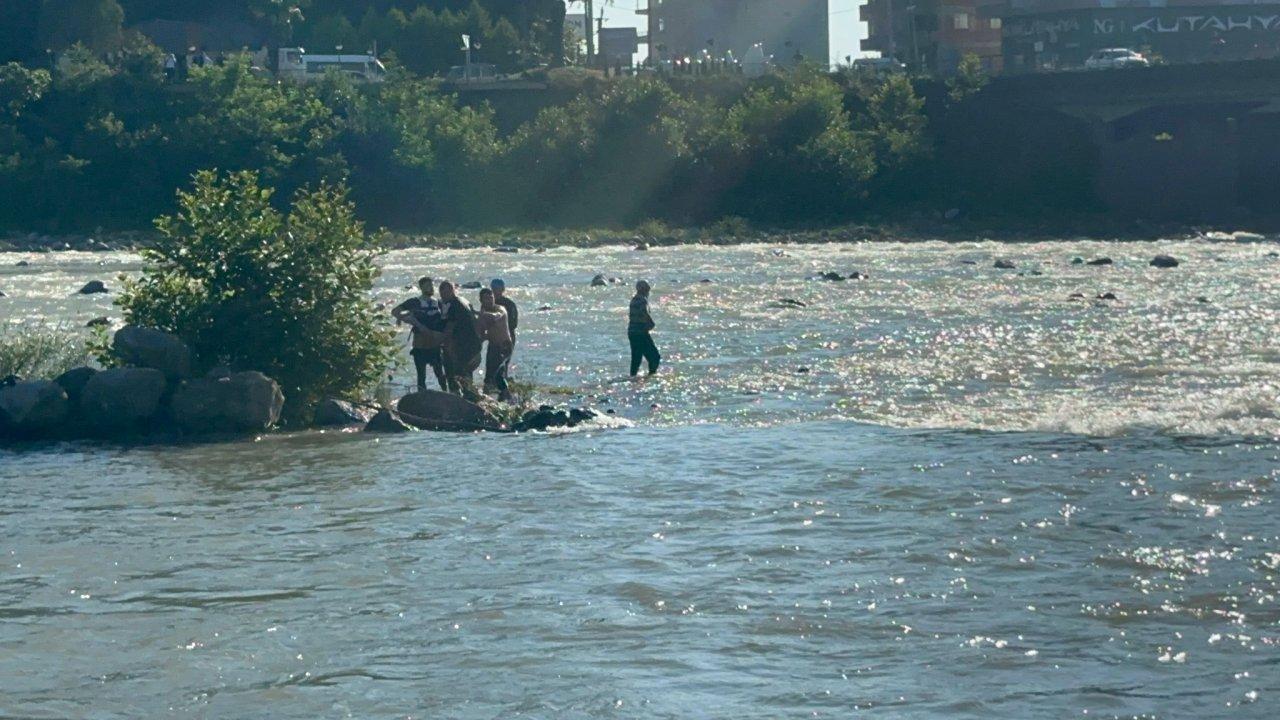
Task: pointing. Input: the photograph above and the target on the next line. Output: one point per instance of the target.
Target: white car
(1115, 58)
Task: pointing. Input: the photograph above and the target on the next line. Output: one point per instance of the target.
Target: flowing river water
(943, 491)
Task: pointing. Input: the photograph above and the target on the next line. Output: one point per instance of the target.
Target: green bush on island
(33, 351)
(252, 288)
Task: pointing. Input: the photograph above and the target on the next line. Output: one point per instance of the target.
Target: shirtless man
(495, 328)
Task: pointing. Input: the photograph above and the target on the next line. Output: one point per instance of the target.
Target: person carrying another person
(461, 343)
(639, 325)
(425, 316)
(499, 288)
(495, 328)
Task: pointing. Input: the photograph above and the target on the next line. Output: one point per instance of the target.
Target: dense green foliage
(34, 351)
(251, 288)
(105, 143)
(423, 34)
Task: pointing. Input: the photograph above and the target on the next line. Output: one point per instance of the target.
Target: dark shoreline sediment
(914, 230)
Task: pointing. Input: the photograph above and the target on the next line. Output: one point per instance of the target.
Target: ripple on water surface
(746, 551)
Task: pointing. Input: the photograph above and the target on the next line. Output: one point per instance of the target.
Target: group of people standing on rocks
(448, 336)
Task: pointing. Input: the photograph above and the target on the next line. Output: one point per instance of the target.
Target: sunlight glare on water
(943, 491)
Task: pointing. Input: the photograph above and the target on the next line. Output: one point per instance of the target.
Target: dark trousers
(496, 362)
(642, 347)
(421, 359)
(459, 372)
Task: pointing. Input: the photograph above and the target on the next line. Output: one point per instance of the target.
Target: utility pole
(591, 40)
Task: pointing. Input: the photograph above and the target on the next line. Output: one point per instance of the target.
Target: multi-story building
(1061, 34)
(790, 31)
(934, 35)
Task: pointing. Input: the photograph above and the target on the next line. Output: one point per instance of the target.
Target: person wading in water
(424, 314)
(495, 328)
(461, 343)
(638, 328)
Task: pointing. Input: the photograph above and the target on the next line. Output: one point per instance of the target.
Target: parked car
(1114, 58)
(879, 66)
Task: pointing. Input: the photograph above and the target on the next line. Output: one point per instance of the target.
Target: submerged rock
(93, 287)
(1077, 261)
(509, 250)
(1164, 261)
(246, 402)
(831, 277)
(435, 410)
(339, 413)
(102, 321)
(121, 399)
(1108, 296)
(1004, 265)
(1099, 262)
(147, 348)
(387, 423)
(473, 285)
(599, 281)
(32, 408)
(790, 303)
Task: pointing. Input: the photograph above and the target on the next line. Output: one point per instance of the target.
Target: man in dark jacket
(461, 343)
(639, 326)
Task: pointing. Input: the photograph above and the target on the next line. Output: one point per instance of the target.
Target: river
(943, 491)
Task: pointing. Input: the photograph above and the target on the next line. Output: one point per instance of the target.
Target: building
(934, 35)
(791, 31)
(1061, 34)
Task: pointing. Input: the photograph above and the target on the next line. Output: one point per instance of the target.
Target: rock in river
(246, 402)
(599, 281)
(1004, 265)
(387, 423)
(121, 399)
(73, 382)
(32, 408)
(339, 413)
(1164, 261)
(147, 348)
(1099, 262)
(93, 287)
(435, 410)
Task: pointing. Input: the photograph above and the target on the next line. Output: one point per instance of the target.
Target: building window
(996, 23)
(961, 22)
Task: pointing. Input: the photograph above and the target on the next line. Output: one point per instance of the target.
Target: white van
(299, 65)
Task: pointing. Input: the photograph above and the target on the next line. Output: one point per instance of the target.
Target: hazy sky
(846, 29)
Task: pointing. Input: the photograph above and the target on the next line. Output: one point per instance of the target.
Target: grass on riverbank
(920, 226)
(34, 351)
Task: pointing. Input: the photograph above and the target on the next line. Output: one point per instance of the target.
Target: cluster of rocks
(547, 417)
(832, 276)
(602, 281)
(154, 392)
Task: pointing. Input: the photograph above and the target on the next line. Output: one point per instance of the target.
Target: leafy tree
(19, 87)
(790, 152)
(895, 120)
(968, 80)
(95, 24)
(249, 287)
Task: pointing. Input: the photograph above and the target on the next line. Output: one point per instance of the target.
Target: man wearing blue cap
(513, 313)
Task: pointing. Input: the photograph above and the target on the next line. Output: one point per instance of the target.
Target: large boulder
(93, 287)
(121, 399)
(32, 408)
(73, 382)
(435, 410)
(147, 348)
(246, 402)
(339, 413)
